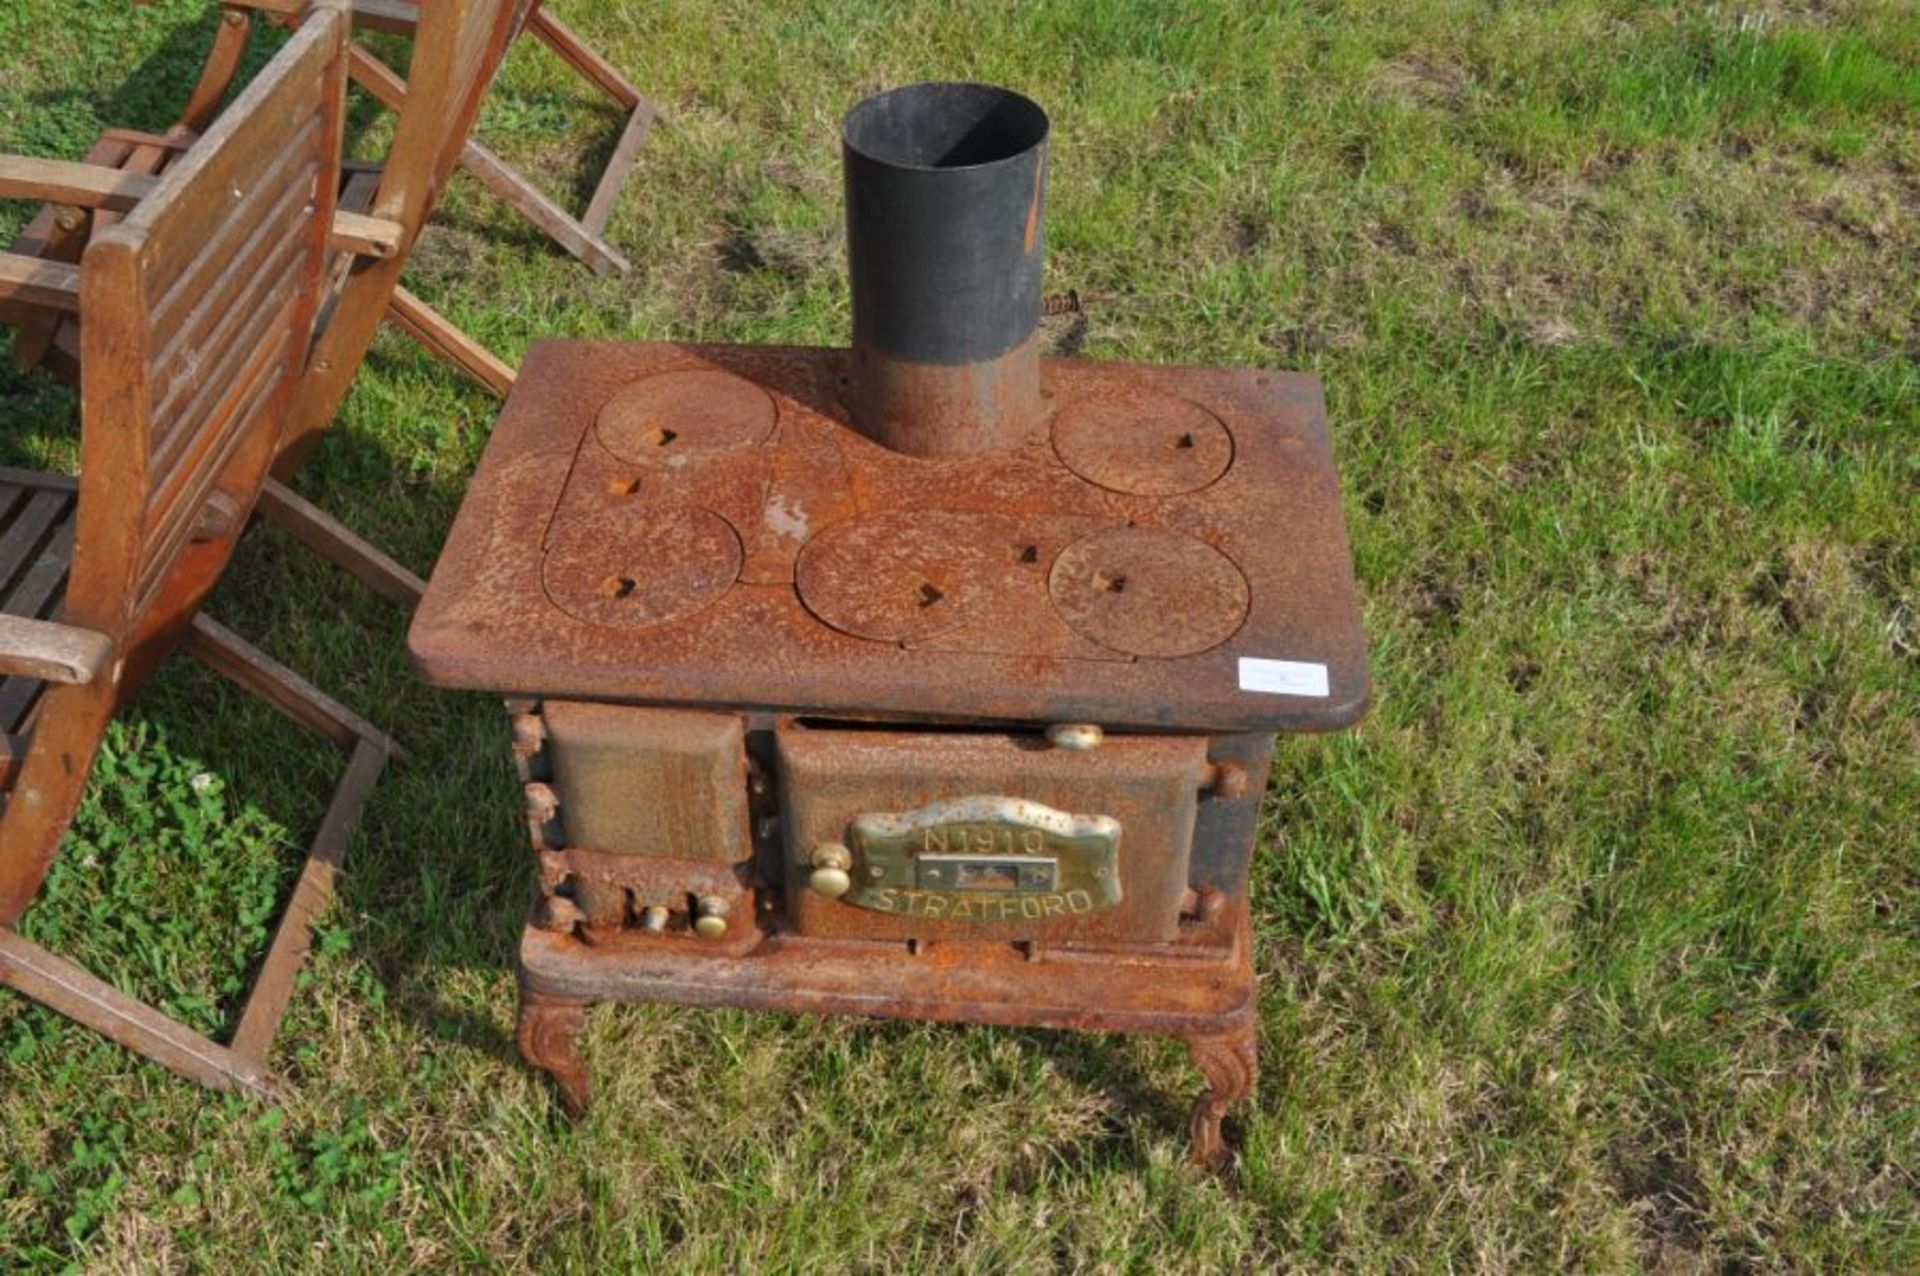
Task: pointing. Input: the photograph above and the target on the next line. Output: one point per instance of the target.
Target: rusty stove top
(699, 524)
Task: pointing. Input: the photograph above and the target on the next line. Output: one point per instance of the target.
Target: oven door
(953, 835)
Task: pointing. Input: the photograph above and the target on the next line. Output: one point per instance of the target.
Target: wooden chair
(198, 307)
(380, 213)
(456, 49)
(59, 232)
(583, 235)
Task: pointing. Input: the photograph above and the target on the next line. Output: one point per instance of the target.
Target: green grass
(1594, 947)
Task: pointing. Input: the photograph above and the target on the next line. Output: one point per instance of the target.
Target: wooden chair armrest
(50, 285)
(364, 236)
(51, 651)
(65, 182)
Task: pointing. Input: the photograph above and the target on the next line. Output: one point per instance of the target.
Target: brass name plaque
(985, 859)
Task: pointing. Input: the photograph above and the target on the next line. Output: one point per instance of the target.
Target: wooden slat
(59, 984)
(52, 285)
(140, 137)
(35, 583)
(250, 146)
(436, 332)
(357, 192)
(12, 496)
(202, 358)
(264, 203)
(37, 591)
(231, 656)
(175, 509)
(336, 542)
(204, 344)
(21, 544)
(293, 939)
(65, 182)
(13, 476)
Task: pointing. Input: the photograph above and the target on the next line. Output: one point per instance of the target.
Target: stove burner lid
(904, 575)
(1146, 444)
(640, 568)
(673, 417)
(1149, 593)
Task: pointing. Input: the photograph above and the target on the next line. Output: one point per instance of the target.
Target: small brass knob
(1077, 737)
(832, 865)
(712, 921)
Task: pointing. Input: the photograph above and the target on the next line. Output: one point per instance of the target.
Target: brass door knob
(712, 921)
(832, 874)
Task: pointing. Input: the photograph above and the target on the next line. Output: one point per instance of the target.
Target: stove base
(1204, 997)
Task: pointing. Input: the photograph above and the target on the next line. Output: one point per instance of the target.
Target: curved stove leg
(1230, 1061)
(549, 1037)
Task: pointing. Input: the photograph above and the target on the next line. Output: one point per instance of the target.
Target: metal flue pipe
(946, 239)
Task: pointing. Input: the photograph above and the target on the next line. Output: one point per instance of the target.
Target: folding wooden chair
(456, 49)
(198, 306)
(583, 235)
(59, 232)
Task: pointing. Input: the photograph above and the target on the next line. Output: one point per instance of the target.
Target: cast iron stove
(926, 679)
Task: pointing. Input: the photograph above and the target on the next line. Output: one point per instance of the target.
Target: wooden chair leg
(231, 656)
(613, 178)
(65, 987)
(230, 42)
(326, 536)
(293, 940)
(251, 669)
(585, 59)
(57, 983)
(445, 340)
(562, 227)
(642, 111)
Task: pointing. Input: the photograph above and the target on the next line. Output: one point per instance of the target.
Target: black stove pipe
(946, 239)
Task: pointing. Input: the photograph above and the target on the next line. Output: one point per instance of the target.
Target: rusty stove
(928, 678)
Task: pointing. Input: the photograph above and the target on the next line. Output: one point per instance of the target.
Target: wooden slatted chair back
(198, 306)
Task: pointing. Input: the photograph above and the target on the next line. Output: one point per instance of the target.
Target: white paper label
(1283, 677)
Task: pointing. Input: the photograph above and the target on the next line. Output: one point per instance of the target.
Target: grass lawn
(1597, 945)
